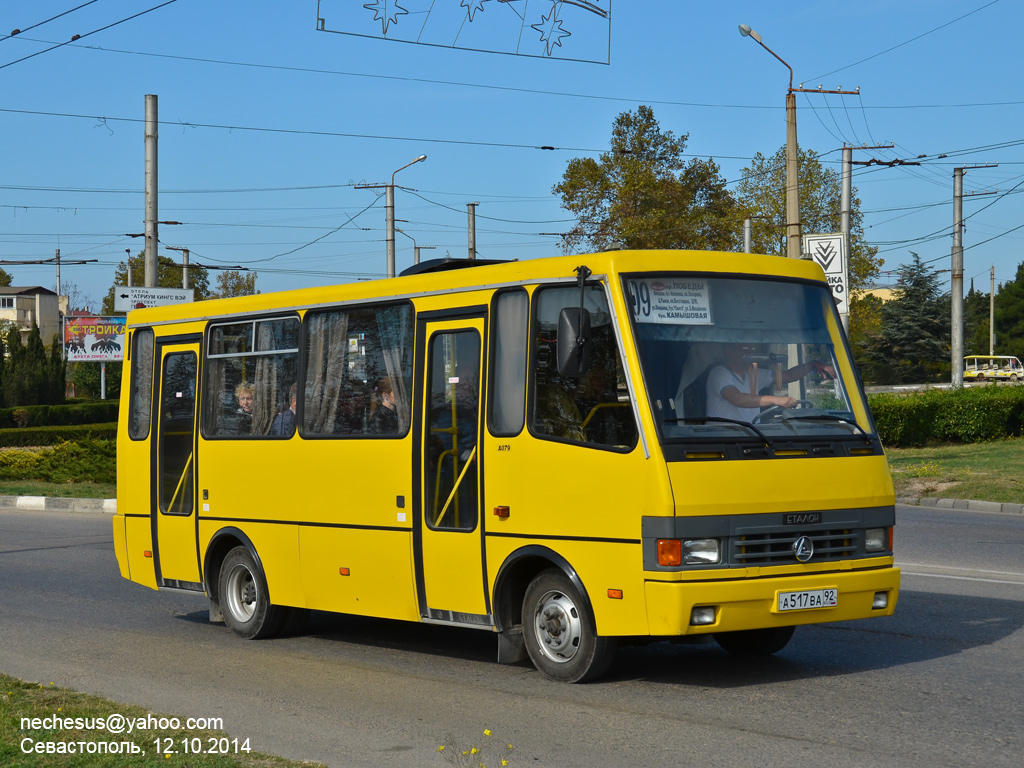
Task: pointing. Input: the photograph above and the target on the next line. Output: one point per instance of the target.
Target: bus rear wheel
(557, 629)
(244, 597)
(755, 642)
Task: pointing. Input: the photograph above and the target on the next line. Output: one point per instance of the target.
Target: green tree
(232, 282)
(643, 194)
(762, 195)
(865, 327)
(27, 371)
(6, 279)
(168, 275)
(1009, 314)
(913, 342)
(976, 306)
(87, 379)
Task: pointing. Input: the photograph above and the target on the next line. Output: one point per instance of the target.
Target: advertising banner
(94, 339)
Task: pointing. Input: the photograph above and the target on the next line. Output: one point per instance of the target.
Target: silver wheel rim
(557, 627)
(241, 593)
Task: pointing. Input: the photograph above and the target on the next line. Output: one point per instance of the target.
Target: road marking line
(954, 568)
(963, 578)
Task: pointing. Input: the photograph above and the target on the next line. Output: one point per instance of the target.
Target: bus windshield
(737, 357)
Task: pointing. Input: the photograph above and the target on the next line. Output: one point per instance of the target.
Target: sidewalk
(53, 504)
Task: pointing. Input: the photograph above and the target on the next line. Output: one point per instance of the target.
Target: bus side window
(510, 345)
(350, 353)
(594, 408)
(250, 365)
(142, 384)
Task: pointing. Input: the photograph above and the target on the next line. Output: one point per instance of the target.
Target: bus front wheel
(557, 628)
(755, 642)
(244, 598)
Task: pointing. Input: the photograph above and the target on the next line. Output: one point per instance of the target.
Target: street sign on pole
(830, 252)
(129, 297)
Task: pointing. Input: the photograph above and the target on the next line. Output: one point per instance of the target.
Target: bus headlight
(701, 551)
(675, 552)
(876, 539)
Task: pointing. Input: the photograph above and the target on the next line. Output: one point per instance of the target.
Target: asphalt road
(941, 683)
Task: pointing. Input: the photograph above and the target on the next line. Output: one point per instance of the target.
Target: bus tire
(244, 597)
(558, 631)
(755, 642)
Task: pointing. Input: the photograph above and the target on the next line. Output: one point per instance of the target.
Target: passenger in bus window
(731, 393)
(245, 394)
(384, 417)
(284, 422)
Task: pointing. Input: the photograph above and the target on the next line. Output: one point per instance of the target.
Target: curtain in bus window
(267, 385)
(395, 329)
(142, 384)
(511, 323)
(325, 370)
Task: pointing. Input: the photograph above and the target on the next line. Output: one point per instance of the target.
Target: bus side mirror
(574, 342)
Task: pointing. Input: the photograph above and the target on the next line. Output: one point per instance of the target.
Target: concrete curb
(965, 504)
(54, 504)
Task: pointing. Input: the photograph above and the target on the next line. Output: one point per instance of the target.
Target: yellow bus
(994, 367)
(570, 453)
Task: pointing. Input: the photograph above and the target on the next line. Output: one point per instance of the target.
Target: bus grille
(777, 548)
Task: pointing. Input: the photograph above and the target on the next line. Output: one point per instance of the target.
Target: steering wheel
(774, 411)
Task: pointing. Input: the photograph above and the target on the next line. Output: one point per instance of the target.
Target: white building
(24, 306)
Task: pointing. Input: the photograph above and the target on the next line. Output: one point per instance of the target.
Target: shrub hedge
(968, 415)
(94, 412)
(12, 438)
(82, 461)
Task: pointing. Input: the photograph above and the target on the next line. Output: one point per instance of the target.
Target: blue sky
(268, 123)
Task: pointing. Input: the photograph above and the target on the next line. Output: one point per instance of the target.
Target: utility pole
(794, 248)
(389, 213)
(846, 206)
(151, 190)
(471, 210)
(992, 311)
(129, 263)
(58, 274)
(957, 287)
(184, 264)
(747, 238)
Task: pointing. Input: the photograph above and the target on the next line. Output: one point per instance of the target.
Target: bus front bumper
(754, 603)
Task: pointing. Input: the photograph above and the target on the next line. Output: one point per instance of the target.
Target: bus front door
(449, 559)
(174, 467)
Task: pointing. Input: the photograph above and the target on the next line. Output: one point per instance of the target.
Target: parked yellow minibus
(570, 453)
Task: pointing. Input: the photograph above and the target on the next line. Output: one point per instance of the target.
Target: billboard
(94, 339)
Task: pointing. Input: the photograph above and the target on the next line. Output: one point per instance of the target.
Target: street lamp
(793, 250)
(390, 215)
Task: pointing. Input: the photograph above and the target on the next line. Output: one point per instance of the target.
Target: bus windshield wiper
(826, 417)
(724, 420)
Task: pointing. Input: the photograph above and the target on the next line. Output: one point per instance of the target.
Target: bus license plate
(811, 598)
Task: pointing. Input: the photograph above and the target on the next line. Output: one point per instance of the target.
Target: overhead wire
(47, 21)
(87, 34)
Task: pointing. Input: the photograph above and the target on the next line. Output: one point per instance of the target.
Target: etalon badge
(803, 549)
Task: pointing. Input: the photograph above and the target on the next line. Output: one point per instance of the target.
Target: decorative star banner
(577, 30)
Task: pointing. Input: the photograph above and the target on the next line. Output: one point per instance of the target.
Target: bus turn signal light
(501, 511)
(146, 553)
(343, 571)
(615, 594)
(670, 552)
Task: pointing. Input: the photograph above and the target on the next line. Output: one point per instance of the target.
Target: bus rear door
(449, 534)
(174, 464)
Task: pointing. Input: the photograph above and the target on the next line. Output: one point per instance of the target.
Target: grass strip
(988, 471)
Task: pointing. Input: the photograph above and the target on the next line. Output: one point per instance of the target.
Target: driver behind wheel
(733, 388)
